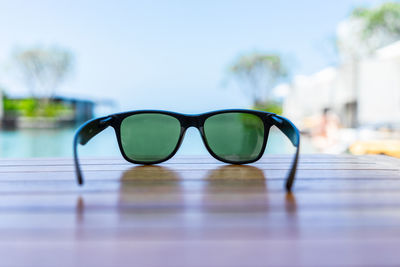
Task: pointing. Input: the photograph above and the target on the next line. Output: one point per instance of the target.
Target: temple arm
(288, 128)
(86, 132)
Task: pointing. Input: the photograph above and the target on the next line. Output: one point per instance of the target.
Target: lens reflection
(235, 137)
(149, 137)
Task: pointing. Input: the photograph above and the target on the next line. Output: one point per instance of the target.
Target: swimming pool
(27, 143)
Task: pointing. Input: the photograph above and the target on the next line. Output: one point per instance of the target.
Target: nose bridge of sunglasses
(190, 121)
(192, 143)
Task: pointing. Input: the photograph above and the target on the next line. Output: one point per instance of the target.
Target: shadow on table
(160, 190)
(149, 187)
(246, 182)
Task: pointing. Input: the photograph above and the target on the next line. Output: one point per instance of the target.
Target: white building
(379, 87)
(363, 93)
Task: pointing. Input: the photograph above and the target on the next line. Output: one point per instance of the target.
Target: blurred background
(332, 67)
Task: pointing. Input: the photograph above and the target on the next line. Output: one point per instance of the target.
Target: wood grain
(195, 211)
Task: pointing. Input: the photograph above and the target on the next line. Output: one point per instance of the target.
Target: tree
(43, 69)
(381, 24)
(257, 73)
(368, 29)
(365, 31)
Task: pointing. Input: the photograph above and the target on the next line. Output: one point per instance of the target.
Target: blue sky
(169, 54)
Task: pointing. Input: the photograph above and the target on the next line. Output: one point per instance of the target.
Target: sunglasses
(235, 136)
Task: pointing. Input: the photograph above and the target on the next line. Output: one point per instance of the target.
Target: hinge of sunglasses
(276, 119)
(105, 122)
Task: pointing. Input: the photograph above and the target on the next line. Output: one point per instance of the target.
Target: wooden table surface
(193, 211)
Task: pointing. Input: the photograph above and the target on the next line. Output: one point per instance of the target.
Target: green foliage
(56, 109)
(384, 19)
(25, 107)
(271, 106)
(28, 106)
(31, 107)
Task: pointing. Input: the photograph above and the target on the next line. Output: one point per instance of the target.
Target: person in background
(325, 133)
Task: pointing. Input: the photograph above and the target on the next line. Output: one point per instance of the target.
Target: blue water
(28, 143)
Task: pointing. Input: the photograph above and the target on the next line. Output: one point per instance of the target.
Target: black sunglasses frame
(93, 127)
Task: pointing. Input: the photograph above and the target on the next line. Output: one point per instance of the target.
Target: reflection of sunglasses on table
(235, 136)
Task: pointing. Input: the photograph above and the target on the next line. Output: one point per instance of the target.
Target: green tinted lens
(149, 137)
(235, 136)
